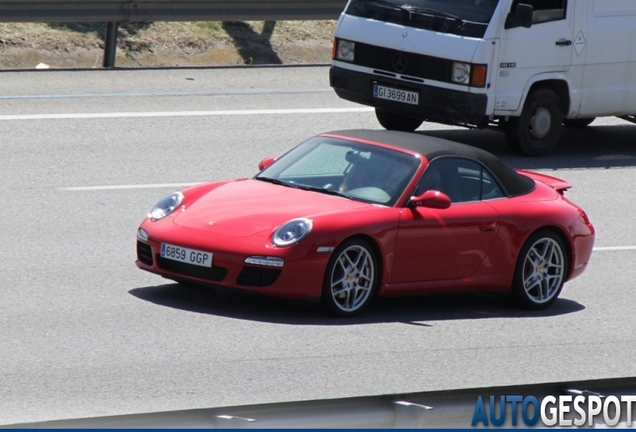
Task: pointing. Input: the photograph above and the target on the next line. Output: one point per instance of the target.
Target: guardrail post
(233, 422)
(410, 415)
(110, 45)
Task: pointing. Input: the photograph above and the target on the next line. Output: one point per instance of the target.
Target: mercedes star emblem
(400, 62)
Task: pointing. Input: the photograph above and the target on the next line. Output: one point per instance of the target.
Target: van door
(545, 47)
(579, 58)
(609, 83)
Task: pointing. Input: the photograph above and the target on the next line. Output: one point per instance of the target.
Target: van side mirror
(431, 199)
(521, 17)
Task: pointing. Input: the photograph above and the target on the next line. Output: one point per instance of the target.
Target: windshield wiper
(388, 5)
(275, 181)
(383, 3)
(434, 12)
(413, 10)
(325, 191)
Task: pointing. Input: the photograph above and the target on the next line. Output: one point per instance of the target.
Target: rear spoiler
(558, 184)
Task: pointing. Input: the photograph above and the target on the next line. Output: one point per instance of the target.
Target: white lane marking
(167, 94)
(141, 186)
(183, 113)
(614, 248)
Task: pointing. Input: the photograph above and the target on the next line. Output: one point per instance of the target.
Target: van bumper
(435, 104)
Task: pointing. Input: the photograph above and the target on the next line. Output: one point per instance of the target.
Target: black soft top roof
(432, 147)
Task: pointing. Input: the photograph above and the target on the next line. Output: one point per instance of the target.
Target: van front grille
(403, 63)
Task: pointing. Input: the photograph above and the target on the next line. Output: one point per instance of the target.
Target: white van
(527, 66)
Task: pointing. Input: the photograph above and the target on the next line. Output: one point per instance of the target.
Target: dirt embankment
(214, 43)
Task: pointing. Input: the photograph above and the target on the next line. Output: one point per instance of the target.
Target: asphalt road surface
(85, 154)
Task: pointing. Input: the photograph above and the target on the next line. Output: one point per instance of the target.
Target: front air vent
(144, 253)
(214, 273)
(258, 276)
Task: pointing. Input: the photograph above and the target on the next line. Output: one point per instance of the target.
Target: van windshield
(460, 17)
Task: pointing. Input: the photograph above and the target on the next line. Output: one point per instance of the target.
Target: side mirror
(521, 17)
(431, 199)
(266, 162)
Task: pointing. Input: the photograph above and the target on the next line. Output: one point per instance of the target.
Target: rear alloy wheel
(351, 278)
(536, 132)
(392, 121)
(540, 272)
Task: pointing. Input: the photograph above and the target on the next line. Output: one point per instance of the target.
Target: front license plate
(397, 95)
(185, 255)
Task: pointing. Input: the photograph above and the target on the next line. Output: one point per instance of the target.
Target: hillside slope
(161, 44)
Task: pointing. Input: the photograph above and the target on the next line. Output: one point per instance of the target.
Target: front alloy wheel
(351, 278)
(541, 271)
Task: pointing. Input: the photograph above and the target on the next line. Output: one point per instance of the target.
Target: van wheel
(578, 123)
(537, 131)
(398, 122)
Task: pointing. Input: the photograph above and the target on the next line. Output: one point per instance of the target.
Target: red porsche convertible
(349, 215)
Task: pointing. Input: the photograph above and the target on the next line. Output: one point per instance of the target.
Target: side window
(461, 179)
(544, 10)
(489, 188)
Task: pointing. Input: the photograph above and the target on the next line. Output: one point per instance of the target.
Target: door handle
(488, 226)
(563, 42)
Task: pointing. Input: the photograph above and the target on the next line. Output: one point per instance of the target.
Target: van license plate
(185, 255)
(393, 94)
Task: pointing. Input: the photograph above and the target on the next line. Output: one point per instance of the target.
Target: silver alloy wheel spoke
(549, 252)
(339, 281)
(543, 270)
(352, 279)
(350, 263)
(545, 287)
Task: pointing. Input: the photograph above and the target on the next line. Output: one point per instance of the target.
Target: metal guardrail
(167, 10)
(437, 409)
(114, 12)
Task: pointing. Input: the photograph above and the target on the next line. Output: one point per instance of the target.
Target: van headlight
(473, 75)
(165, 206)
(345, 50)
(461, 73)
(292, 232)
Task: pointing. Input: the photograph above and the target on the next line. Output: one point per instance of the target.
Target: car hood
(247, 207)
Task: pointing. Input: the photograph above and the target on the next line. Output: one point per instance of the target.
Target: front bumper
(435, 104)
(229, 268)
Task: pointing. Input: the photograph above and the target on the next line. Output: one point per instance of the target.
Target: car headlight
(461, 73)
(346, 51)
(165, 206)
(292, 232)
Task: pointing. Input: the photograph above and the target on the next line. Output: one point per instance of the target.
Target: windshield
(461, 17)
(353, 170)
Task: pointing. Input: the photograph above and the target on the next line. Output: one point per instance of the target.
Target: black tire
(578, 123)
(541, 270)
(536, 132)
(351, 279)
(397, 122)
